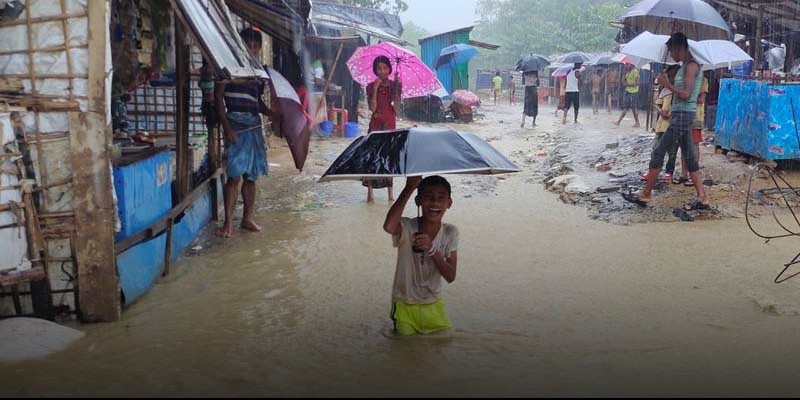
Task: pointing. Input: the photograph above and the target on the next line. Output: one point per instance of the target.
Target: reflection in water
(547, 302)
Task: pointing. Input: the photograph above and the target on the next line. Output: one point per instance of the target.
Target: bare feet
(226, 232)
(251, 226)
(637, 126)
(616, 123)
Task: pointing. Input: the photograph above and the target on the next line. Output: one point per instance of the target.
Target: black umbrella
(532, 62)
(417, 152)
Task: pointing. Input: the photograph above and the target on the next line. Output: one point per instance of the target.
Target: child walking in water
(427, 251)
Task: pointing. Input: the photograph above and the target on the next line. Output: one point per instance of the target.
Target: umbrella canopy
(417, 152)
(456, 54)
(711, 54)
(532, 62)
(465, 97)
(611, 58)
(293, 122)
(562, 71)
(417, 79)
(576, 57)
(697, 19)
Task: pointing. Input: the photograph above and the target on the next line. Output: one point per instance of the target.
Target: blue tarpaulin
(756, 118)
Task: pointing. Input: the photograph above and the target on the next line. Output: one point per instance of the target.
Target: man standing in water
(686, 89)
(240, 105)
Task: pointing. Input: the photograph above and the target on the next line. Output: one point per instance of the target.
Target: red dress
(384, 117)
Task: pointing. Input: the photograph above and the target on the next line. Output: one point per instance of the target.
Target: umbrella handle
(419, 231)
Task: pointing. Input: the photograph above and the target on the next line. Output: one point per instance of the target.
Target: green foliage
(544, 27)
(394, 6)
(412, 33)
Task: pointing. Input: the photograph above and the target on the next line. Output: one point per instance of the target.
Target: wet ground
(550, 300)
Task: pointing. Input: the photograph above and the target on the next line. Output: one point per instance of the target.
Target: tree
(545, 27)
(394, 6)
(412, 33)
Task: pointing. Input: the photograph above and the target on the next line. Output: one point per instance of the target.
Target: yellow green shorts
(413, 319)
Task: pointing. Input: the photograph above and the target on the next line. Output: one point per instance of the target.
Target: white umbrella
(695, 18)
(711, 54)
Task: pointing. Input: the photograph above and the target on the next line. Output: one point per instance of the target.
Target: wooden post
(330, 76)
(759, 35)
(168, 250)
(184, 170)
(90, 141)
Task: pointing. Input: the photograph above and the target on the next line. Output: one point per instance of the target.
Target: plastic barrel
(326, 127)
(351, 129)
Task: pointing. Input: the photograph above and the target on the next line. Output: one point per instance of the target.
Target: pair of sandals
(694, 205)
(688, 182)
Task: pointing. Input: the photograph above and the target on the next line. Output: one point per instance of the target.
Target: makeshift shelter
(79, 189)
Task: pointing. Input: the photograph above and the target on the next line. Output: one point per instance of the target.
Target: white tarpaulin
(13, 241)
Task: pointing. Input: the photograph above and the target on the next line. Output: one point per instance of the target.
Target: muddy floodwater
(548, 300)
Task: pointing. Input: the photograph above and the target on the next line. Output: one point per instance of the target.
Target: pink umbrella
(417, 79)
(465, 97)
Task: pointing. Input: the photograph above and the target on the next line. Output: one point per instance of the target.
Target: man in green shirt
(631, 99)
(498, 86)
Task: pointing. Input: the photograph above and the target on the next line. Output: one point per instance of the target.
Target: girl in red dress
(384, 98)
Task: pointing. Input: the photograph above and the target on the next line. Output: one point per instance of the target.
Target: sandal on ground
(635, 199)
(679, 180)
(696, 205)
(689, 183)
(666, 178)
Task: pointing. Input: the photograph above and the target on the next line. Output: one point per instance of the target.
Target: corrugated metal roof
(213, 28)
(467, 29)
(284, 20)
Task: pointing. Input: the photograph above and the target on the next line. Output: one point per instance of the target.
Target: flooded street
(548, 300)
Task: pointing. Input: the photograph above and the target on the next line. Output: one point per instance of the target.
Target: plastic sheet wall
(756, 118)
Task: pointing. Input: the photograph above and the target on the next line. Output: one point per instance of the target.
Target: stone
(611, 146)
(617, 174)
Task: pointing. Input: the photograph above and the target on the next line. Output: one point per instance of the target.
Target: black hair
(678, 41)
(432, 181)
(381, 60)
(497, 73)
(250, 35)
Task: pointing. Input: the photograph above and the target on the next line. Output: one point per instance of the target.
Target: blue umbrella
(456, 54)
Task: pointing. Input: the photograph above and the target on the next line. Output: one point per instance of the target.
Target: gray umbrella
(695, 18)
(532, 62)
(576, 57)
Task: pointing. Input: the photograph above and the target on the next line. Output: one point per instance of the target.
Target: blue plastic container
(326, 127)
(144, 193)
(351, 129)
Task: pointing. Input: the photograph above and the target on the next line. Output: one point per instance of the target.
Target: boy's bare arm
(392, 225)
(446, 265)
(222, 112)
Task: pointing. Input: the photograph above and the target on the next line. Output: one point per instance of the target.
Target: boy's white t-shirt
(417, 281)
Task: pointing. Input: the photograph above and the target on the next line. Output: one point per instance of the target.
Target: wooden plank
(14, 277)
(98, 286)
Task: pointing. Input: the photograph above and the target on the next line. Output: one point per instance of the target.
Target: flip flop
(635, 199)
(696, 205)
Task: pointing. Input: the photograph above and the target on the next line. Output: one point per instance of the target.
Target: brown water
(547, 302)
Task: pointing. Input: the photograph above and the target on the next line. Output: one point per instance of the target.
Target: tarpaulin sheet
(756, 118)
